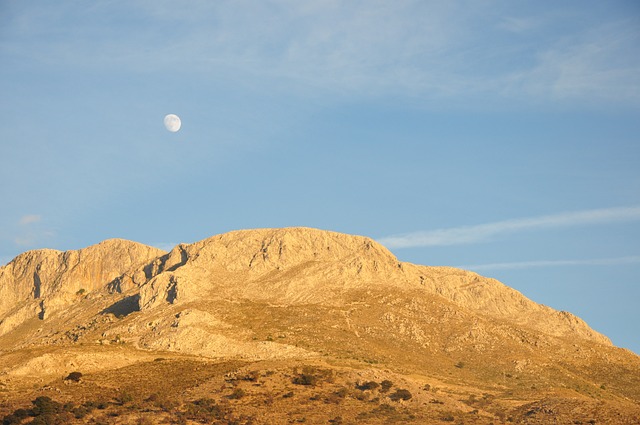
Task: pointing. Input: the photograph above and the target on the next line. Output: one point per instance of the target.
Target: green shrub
(80, 412)
(43, 405)
(305, 379)
(124, 398)
(370, 385)
(400, 394)
(237, 394)
(341, 392)
(251, 376)
(204, 410)
(385, 386)
(21, 413)
(11, 420)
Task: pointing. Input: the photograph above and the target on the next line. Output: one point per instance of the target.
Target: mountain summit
(300, 294)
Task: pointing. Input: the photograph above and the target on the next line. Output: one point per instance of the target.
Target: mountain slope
(300, 265)
(298, 296)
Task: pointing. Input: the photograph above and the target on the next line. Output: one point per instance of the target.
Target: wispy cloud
(29, 219)
(484, 232)
(30, 231)
(592, 64)
(634, 259)
(442, 49)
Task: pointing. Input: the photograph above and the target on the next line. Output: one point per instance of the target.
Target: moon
(172, 122)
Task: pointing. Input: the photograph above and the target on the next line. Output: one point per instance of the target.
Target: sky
(498, 136)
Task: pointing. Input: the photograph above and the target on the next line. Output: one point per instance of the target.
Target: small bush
(204, 410)
(362, 396)
(43, 405)
(74, 376)
(460, 365)
(100, 404)
(333, 398)
(400, 394)
(341, 392)
(385, 386)
(11, 420)
(162, 402)
(237, 394)
(251, 376)
(21, 413)
(124, 398)
(305, 379)
(80, 412)
(370, 385)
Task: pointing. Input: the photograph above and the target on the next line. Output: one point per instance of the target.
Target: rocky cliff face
(291, 266)
(301, 265)
(44, 281)
(272, 299)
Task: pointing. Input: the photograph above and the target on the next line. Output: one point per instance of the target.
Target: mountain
(294, 324)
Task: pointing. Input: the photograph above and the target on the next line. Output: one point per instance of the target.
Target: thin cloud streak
(447, 50)
(554, 263)
(31, 218)
(484, 232)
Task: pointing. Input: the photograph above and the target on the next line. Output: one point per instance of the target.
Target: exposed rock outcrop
(302, 265)
(292, 266)
(44, 281)
(235, 311)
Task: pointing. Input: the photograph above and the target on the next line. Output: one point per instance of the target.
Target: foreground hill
(281, 325)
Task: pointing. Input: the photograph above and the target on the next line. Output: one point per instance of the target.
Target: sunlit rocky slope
(283, 299)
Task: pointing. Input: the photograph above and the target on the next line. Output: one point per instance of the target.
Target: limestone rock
(48, 280)
(302, 265)
(289, 266)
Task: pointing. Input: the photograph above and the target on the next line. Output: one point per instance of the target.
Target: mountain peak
(294, 266)
(264, 249)
(274, 298)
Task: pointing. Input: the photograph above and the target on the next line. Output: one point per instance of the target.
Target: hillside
(276, 325)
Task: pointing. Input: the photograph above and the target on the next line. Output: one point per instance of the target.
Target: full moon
(172, 123)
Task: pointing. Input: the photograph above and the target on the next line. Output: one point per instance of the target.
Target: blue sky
(498, 136)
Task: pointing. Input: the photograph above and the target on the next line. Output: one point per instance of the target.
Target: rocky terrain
(291, 325)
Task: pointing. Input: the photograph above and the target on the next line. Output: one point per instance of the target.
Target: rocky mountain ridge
(291, 266)
(261, 305)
